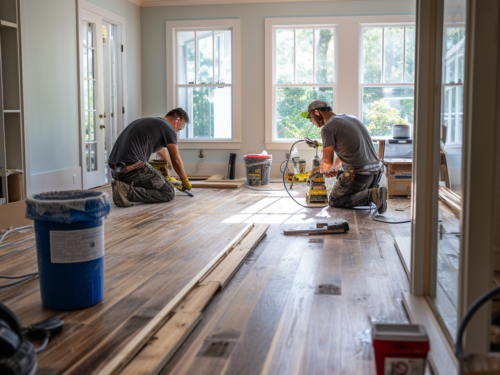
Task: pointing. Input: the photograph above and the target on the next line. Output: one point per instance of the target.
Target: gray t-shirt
(352, 143)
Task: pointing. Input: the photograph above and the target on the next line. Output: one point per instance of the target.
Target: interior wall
(51, 85)
(153, 36)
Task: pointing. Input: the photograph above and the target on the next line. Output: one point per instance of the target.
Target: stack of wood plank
(451, 199)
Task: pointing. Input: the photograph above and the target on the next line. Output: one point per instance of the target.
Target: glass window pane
(284, 56)
(448, 240)
(290, 102)
(91, 105)
(84, 33)
(209, 110)
(87, 156)
(304, 68)
(85, 62)
(386, 106)
(325, 55)
(205, 57)
(185, 57)
(223, 57)
(372, 55)
(85, 95)
(410, 55)
(92, 123)
(393, 54)
(87, 126)
(90, 35)
(93, 157)
(90, 53)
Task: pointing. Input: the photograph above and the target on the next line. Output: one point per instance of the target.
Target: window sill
(185, 144)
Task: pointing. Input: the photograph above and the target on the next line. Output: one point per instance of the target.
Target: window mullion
(383, 56)
(404, 54)
(314, 55)
(213, 57)
(195, 58)
(294, 55)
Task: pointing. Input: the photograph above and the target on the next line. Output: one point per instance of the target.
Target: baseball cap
(315, 104)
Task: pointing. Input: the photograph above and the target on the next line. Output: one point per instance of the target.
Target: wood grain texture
(163, 345)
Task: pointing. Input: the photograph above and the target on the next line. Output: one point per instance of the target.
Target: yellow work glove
(171, 179)
(186, 185)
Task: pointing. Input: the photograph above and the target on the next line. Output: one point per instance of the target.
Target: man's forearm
(326, 165)
(179, 168)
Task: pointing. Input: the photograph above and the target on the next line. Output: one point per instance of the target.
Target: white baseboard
(56, 180)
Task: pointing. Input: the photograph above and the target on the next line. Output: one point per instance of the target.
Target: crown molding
(164, 3)
(137, 2)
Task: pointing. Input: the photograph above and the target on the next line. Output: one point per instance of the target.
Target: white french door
(92, 99)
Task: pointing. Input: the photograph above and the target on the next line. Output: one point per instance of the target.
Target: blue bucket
(69, 235)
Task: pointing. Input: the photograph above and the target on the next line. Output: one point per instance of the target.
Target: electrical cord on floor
(28, 276)
(43, 346)
(284, 169)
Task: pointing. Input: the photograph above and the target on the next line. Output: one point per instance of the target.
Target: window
(205, 74)
(304, 70)
(387, 77)
(453, 80)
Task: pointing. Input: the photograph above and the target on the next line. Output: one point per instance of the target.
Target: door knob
(102, 126)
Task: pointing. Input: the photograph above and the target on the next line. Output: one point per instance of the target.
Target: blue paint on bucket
(70, 246)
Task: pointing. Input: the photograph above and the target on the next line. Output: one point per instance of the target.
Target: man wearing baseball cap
(357, 181)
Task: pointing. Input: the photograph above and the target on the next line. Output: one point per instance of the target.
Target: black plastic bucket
(258, 169)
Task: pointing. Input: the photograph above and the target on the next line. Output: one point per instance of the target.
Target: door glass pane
(209, 110)
(284, 56)
(223, 56)
(85, 66)
(90, 53)
(445, 298)
(93, 157)
(87, 156)
(185, 57)
(372, 55)
(386, 106)
(393, 54)
(90, 34)
(304, 68)
(92, 132)
(410, 55)
(205, 57)
(289, 104)
(325, 55)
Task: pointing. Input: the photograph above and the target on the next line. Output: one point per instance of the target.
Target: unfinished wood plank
(216, 185)
(226, 269)
(163, 345)
(198, 298)
(403, 246)
(216, 177)
(128, 352)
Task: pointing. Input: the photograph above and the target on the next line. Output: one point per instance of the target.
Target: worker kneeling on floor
(135, 180)
(357, 182)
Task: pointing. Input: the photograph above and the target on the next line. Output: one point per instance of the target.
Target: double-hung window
(387, 77)
(203, 78)
(304, 69)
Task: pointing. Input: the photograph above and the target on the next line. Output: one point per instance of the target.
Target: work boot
(379, 197)
(120, 193)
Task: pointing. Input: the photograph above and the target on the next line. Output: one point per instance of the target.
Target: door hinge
(122, 47)
(123, 109)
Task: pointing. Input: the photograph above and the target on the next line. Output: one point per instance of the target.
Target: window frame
(346, 63)
(362, 85)
(172, 97)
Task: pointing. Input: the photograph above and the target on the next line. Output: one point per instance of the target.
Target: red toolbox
(400, 349)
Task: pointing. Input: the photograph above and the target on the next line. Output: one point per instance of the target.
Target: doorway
(102, 90)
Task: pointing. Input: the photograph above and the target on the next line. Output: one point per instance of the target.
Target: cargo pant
(348, 194)
(146, 185)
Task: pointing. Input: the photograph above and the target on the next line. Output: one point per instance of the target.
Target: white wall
(51, 86)
(252, 17)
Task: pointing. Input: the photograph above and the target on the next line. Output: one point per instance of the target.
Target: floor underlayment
(298, 305)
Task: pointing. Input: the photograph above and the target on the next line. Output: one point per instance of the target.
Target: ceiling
(156, 3)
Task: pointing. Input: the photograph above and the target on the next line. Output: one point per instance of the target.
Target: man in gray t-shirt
(346, 136)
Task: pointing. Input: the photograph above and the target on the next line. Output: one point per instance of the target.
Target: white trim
(347, 30)
(149, 3)
(441, 356)
(235, 25)
(59, 180)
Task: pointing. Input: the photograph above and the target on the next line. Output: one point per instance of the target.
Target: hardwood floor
(298, 305)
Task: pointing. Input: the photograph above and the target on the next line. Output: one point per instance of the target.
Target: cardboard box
(12, 216)
(399, 187)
